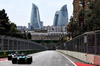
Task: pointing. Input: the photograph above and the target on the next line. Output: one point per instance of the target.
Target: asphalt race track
(46, 58)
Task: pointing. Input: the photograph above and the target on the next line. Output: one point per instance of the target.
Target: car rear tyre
(29, 60)
(9, 57)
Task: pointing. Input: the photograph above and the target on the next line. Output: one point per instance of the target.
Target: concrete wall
(78, 55)
(89, 58)
(97, 60)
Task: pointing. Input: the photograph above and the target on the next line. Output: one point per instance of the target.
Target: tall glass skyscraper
(35, 23)
(61, 17)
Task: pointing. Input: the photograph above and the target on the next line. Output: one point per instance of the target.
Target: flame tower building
(35, 23)
(60, 20)
(61, 17)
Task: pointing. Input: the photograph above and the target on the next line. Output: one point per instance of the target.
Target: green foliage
(91, 20)
(29, 35)
(9, 28)
(59, 43)
(51, 42)
(42, 42)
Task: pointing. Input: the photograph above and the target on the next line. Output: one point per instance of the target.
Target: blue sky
(19, 11)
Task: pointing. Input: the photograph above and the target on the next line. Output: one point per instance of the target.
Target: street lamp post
(82, 3)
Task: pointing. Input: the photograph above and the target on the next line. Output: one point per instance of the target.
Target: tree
(9, 28)
(12, 28)
(91, 20)
(92, 17)
(4, 22)
(29, 35)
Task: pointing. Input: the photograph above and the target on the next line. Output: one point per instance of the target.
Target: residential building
(49, 39)
(59, 29)
(77, 7)
(48, 28)
(48, 35)
(21, 28)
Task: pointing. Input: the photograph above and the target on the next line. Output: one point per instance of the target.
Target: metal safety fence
(12, 43)
(88, 42)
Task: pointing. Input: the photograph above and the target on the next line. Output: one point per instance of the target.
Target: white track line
(67, 58)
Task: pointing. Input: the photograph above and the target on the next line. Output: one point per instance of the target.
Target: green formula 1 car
(22, 59)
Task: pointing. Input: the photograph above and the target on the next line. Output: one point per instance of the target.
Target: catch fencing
(88, 42)
(8, 43)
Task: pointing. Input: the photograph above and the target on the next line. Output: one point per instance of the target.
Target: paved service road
(45, 58)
